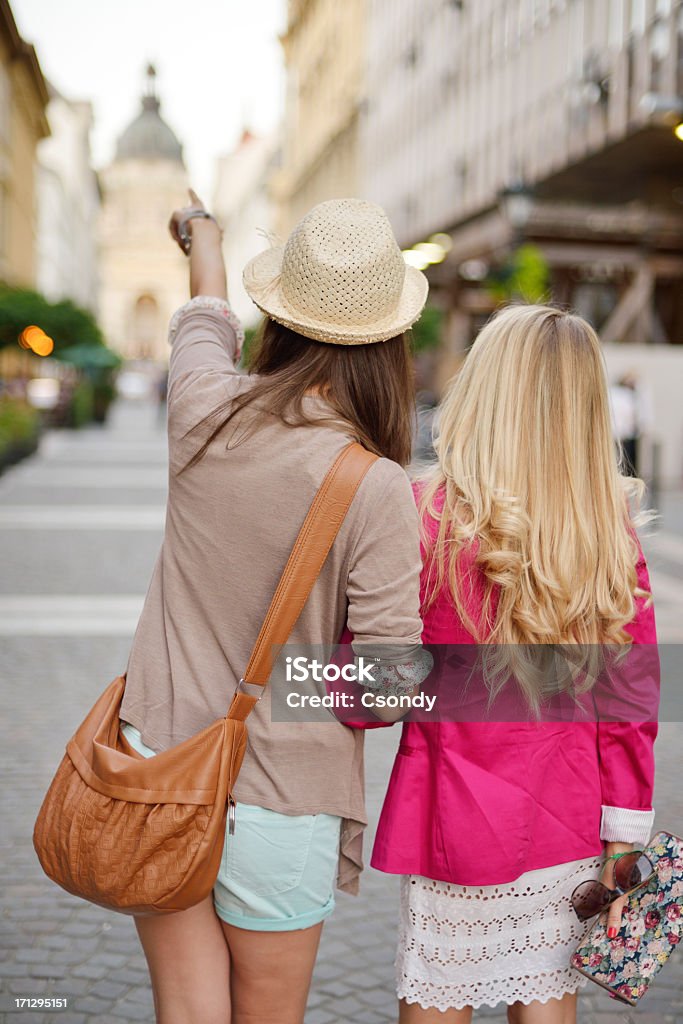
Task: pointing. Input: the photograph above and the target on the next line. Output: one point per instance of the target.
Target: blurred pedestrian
(162, 394)
(247, 455)
(427, 410)
(528, 540)
(631, 419)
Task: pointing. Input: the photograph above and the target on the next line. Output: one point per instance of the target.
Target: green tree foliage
(65, 322)
(251, 335)
(19, 429)
(77, 339)
(82, 405)
(426, 333)
(525, 275)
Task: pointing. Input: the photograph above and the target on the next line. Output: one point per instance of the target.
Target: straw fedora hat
(340, 277)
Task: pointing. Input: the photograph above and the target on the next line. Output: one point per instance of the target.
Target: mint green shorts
(278, 871)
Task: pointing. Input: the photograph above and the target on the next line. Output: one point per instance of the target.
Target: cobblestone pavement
(80, 526)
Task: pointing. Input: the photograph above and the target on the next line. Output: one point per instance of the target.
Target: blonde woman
(527, 538)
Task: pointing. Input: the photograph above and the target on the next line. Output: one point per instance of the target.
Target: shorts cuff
(277, 924)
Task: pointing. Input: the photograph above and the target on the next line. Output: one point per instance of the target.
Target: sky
(219, 67)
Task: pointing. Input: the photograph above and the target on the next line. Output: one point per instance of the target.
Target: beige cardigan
(231, 521)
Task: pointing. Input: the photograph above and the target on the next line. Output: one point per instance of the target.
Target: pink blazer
(480, 803)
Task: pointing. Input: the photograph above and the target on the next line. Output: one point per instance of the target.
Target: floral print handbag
(651, 928)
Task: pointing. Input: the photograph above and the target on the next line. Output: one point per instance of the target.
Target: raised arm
(205, 335)
(199, 236)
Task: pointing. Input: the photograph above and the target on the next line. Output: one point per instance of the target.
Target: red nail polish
(612, 932)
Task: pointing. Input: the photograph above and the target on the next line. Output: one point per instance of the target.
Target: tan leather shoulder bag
(145, 835)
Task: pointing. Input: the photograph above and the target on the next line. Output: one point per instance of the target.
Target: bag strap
(316, 536)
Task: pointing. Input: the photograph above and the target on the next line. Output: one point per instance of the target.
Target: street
(80, 528)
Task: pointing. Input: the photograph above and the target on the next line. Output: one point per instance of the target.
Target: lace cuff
(393, 677)
(207, 302)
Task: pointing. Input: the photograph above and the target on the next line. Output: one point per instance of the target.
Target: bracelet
(625, 853)
(185, 236)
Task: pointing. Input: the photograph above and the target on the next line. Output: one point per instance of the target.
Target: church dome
(148, 136)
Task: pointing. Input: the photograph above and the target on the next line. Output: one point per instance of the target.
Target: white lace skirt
(463, 945)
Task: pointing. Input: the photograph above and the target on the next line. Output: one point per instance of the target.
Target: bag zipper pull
(232, 815)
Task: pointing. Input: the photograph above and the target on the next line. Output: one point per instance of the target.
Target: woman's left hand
(607, 878)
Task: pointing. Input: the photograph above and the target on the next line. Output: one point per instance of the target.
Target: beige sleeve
(383, 587)
(202, 376)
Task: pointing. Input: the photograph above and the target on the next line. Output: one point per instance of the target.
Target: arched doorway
(145, 333)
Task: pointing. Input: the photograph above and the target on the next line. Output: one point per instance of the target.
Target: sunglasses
(631, 871)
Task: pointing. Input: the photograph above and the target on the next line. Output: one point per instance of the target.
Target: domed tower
(144, 276)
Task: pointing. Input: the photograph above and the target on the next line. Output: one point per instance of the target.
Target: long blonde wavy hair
(530, 474)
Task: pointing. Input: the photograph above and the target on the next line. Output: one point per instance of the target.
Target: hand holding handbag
(145, 835)
(652, 927)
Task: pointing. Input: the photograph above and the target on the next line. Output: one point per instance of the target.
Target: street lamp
(517, 201)
(435, 250)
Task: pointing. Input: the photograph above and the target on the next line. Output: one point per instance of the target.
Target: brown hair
(369, 388)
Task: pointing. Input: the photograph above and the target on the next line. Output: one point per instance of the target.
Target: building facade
(324, 47)
(68, 205)
(244, 208)
(143, 276)
(541, 121)
(23, 123)
(408, 139)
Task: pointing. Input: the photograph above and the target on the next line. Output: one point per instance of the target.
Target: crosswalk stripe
(82, 517)
(73, 604)
(51, 475)
(69, 614)
(68, 627)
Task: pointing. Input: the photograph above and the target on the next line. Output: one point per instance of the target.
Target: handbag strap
(316, 536)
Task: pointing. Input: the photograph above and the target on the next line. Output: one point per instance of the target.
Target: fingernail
(612, 932)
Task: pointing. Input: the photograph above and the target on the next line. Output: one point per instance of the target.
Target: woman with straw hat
(247, 453)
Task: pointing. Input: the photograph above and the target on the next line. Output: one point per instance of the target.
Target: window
(3, 224)
(411, 56)
(5, 104)
(594, 301)
(541, 12)
(659, 40)
(506, 17)
(616, 23)
(638, 15)
(5, 125)
(146, 326)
